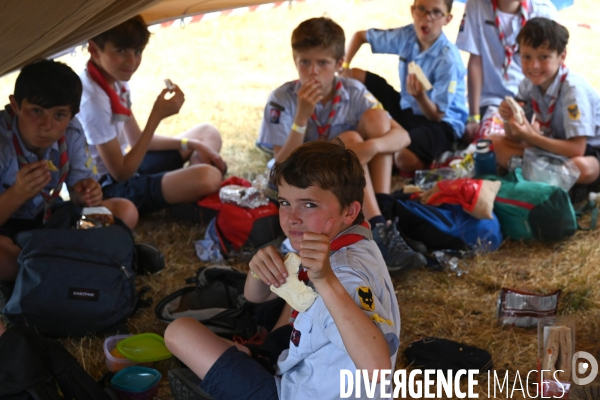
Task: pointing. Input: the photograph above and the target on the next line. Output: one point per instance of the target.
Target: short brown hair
(543, 31)
(131, 34)
(328, 165)
(319, 33)
(448, 5)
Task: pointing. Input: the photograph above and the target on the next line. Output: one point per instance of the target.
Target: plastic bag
(542, 166)
(491, 124)
(427, 178)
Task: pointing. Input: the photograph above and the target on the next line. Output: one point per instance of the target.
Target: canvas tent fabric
(34, 29)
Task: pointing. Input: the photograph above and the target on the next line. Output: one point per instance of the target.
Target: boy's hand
(165, 107)
(308, 97)
(505, 111)
(314, 251)
(267, 264)
(208, 155)
(414, 87)
(89, 192)
(471, 130)
(31, 180)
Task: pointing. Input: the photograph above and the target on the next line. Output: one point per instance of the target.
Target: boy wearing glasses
(434, 118)
(488, 32)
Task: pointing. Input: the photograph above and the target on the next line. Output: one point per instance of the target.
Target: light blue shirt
(310, 369)
(478, 35)
(577, 109)
(281, 109)
(441, 64)
(80, 162)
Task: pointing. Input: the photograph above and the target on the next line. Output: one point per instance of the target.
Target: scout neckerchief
(354, 234)
(545, 121)
(323, 130)
(508, 50)
(119, 102)
(63, 168)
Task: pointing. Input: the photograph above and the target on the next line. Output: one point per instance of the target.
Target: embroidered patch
(274, 115)
(452, 87)
(574, 113)
(377, 318)
(375, 104)
(365, 296)
(295, 338)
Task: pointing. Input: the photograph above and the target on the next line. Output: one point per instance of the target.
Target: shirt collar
(554, 87)
(435, 49)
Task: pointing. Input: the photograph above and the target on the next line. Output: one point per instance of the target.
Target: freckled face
(307, 210)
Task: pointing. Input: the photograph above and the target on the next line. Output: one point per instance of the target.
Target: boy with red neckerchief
(322, 106)
(354, 323)
(132, 162)
(566, 107)
(488, 32)
(42, 146)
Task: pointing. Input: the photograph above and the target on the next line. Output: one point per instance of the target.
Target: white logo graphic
(583, 366)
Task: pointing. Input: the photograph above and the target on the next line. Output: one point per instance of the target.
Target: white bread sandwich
(516, 109)
(299, 296)
(413, 68)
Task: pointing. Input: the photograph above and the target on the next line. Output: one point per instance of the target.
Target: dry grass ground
(227, 67)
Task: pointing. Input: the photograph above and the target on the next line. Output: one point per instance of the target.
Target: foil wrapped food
(249, 197)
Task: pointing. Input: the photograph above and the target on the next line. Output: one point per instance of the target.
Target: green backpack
(533, 210)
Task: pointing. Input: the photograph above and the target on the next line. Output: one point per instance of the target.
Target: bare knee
(407, 161)
(374, 123)
(351, 137)
(175, 331)
(124, 209)
(208, 134)
(210, 179)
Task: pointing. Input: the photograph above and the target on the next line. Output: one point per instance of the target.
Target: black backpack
(73, 281)
(31, 368)
(216, 300)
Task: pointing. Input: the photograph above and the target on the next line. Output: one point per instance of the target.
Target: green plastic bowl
(145, 347)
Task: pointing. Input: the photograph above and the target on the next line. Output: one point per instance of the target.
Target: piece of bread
(413, 68)
(169, 84)
(516, 108)
(51, 166)
(299, 296)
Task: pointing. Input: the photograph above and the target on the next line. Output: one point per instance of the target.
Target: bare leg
(408, 161)
(589, 168)
(505, 149)
(358, 74)
(190, 184)
(208, 135)
(124, 209)
(194, 344)
(370, 206)
(9, 252)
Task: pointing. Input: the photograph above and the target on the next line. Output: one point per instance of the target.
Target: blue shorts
(236, 376)
(144, 188)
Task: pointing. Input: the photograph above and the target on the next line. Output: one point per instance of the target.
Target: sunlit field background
(228, 65)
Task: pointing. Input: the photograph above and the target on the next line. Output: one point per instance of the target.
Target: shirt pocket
(301, 338)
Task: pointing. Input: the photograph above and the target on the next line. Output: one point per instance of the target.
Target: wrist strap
(300, 129)
(474, 118)
(184, 144)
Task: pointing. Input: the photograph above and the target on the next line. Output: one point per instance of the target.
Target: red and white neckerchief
(509, 51)
(546, 120)
(336, 244)
(119, 102)
(323, 130)
(63, 168)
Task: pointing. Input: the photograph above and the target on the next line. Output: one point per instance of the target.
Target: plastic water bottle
(485, 159)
